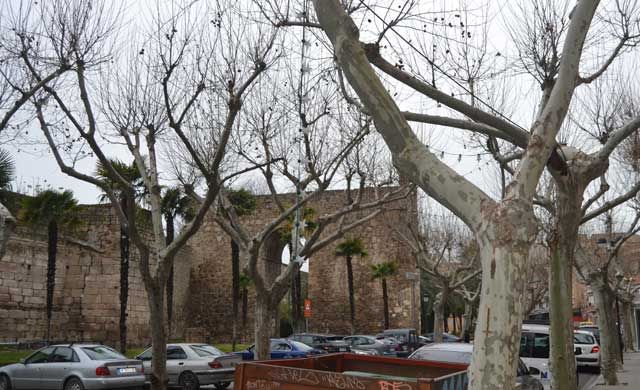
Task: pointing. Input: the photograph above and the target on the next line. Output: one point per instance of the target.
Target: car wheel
(222, 385)
(189, 381)
(5, 382)
(73, 384)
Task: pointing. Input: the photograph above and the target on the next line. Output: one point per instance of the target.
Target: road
(586, 380)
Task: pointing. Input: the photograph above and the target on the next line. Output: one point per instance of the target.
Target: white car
(589, 349)
(534, 351)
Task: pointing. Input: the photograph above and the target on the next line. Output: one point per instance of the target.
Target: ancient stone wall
(207, 309)
(86, 296)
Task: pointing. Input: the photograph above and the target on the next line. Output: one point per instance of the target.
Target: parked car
(192, 365)
(461, 353)
(423, 340)
(283, 349)
(589, 347)
(323, 342)
(407, 338)
(446, 338)
(593, 329)
(73, 367)
(369, 343)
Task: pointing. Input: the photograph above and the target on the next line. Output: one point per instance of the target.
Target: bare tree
(597, 258)
(446, 254)
(139, 102)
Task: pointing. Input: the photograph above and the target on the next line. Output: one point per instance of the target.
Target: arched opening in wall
(289, 317)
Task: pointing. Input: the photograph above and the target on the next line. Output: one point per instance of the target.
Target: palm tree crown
(50, 205)
(384, 270)
(351, 247)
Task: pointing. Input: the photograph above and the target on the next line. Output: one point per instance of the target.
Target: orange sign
(307, 308)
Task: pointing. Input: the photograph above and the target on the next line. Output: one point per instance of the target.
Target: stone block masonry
(86, 296)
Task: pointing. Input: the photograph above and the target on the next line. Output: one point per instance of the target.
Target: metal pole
(619, 332)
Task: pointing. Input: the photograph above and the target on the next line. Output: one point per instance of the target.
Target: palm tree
(174, 204)
(56, 210)
(244, 203)
(244, 282)
(348, 248)
(383, 271)
(130, 173)
(7, 221)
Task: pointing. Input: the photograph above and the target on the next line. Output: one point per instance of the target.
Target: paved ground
(629, 378)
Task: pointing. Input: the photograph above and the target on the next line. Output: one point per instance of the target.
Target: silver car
(193, 365)
(370, 344)
(73, 367)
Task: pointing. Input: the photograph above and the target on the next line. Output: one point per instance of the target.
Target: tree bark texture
(385, 303)
(235, 292)
(467, 320)
(52, 249)
(352, 298)
(504, 243)
(609, 343)
(562, 244)
(159, 378)
(263, 327)
(626, 313)
(169, 239)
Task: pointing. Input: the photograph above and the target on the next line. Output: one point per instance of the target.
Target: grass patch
(226, 348)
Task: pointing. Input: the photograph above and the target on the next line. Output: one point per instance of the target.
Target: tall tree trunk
(169, 239)
(609, 343)
(52, 249)
(263, 327)
(352, 302)
(562, 244)
(159, 378)
(504, 242)
(439, 304)
(626, 314)
(467, 320)
(235, 292)
(245, 309)
(385, 302)
(296, 301)
(124, 280)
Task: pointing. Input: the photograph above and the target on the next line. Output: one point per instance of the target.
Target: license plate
(343, 349)
(128, 370)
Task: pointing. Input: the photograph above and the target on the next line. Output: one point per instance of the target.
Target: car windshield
(582, 338)
(442, 356)
(301, 346)
(204, 350)
(101, 352)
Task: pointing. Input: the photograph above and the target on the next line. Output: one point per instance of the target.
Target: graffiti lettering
(384, 385)
(261, 384)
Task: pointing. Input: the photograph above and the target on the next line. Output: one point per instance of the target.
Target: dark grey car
(369, 343)
(73, 367)
(191, 365)
(461, 353)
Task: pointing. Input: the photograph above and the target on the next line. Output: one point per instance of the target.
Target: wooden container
(348, 371)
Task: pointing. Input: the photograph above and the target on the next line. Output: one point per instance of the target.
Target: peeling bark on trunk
(52, 249)
(562, 245)
(159, 378)
(610, 344)
(504, 243)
